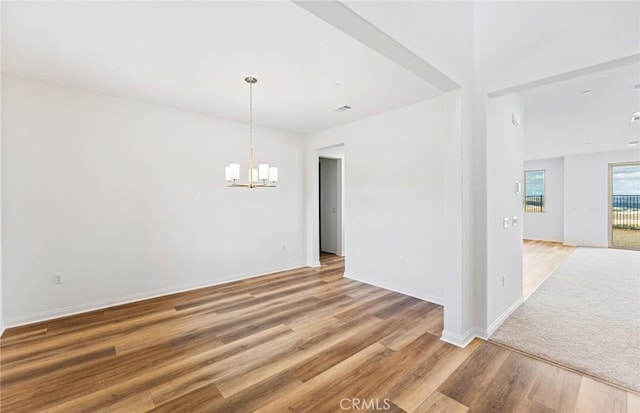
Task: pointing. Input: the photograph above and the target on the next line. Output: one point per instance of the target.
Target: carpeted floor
(585, 316)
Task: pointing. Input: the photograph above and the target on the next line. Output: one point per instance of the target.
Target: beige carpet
(585, 316)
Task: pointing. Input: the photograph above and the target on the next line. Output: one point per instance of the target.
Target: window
(534, 191)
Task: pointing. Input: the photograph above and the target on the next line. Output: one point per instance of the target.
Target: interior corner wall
(394, 192)
(463, 303)
(586, 206)
(128, 201)
(547, 225)
(505, 143)
(409, 23)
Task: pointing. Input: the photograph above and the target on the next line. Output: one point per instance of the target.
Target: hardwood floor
(306, 340)
(540, 259)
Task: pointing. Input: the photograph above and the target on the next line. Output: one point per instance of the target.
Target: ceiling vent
(342, 108)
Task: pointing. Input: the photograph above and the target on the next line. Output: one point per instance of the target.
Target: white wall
(1, 250)
(549, 225)
(504, 246)
(484, 52)
(394, 197)
(415, 25)
(329, 205)
(586, 207)
(128, 200)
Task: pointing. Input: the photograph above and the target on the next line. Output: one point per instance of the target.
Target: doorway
(330, 205)
(624, 205)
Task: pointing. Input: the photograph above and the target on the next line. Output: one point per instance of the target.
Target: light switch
(514, 220)
(505, 222)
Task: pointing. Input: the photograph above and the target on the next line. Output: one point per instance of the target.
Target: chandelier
(264, 176)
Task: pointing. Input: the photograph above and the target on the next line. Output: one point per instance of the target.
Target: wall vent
(342, 108)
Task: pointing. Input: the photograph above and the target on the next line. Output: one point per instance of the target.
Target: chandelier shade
(264, 176)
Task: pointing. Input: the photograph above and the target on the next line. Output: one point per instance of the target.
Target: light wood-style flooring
(540, 259)
(306, 340)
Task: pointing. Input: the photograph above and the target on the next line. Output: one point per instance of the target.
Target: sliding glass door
(624, 205)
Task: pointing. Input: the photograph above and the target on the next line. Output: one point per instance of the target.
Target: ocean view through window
(534, 191)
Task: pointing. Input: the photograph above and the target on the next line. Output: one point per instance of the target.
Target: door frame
(339, 250)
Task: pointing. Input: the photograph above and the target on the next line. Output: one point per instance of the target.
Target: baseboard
(498, 321)
(115, 301)
(425, 297)
(314, 264)
(475, 332)
(1, 329)
(555, 241)
(458, 340)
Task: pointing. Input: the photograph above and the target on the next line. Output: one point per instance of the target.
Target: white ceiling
(195, 55)
(560, 120)
(523, 41)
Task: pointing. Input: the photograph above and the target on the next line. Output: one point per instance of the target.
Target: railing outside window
(534, 203)
(625, 211)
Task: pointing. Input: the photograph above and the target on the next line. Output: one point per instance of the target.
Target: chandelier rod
(251, 80)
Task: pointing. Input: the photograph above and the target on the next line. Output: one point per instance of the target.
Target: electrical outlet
(403, 263)
(284, 247)
(58, 278)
